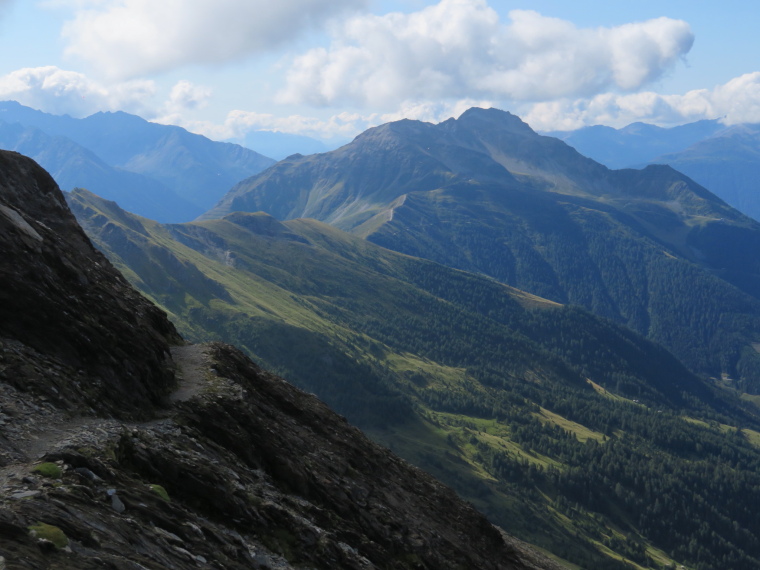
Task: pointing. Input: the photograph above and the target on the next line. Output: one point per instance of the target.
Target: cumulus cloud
(737, 101)
(460, 48)
(184, 99)
(343, 125)
(58, 91)
(127, 38)
(187, 96)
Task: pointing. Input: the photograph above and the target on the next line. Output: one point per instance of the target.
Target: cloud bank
(737, 101)
(129, 38)
(459, 48)
(58, 91)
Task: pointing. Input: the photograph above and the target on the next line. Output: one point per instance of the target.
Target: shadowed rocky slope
(242, 470)
(62, 301)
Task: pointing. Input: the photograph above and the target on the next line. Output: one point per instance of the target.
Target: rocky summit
(120, 447)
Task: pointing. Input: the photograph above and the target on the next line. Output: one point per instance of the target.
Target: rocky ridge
(114, 454)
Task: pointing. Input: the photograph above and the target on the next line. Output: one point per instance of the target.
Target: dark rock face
(60, 298)
(239, 469)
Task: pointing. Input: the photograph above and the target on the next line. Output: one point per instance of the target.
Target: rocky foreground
(119, 448)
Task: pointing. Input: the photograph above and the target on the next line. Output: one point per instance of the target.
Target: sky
(329, 69)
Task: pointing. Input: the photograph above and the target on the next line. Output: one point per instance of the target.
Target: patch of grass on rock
(49, 532)
(160, 491)
(50, 470)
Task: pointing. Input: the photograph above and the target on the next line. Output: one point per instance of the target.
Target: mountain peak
(496, 118)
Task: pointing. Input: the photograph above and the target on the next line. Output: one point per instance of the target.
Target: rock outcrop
(113, 454)
(72, 328)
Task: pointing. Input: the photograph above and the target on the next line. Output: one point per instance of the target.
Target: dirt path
(192, 371)
(32, 431)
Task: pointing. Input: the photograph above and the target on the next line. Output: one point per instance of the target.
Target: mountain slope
(648, 248)
(530, 410)
(190, 166)
(115, 453)
(51, 272)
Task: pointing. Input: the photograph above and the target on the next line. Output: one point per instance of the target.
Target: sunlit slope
(528, 408)
(650, 248)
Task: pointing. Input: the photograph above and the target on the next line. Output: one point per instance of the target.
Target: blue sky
(331, 68)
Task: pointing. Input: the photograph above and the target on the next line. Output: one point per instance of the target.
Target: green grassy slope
(567, 430)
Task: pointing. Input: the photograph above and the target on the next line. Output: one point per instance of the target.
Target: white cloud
(184, 99)
(459, 48)
(128, 38)
(58, 91)
(737, 101)
(187, 96)
(239, 123)
(339, 126)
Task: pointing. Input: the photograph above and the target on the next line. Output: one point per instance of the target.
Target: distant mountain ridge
(72, 166)
(158, 171)
(725, 159)
(636, 144)
(279, 145)
(728, 163)
(484, 193)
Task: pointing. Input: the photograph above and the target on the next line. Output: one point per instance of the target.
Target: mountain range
(158, 171)
(122, 447)
(725, 159)
(528, 408)
(572, 349)
(648, 248)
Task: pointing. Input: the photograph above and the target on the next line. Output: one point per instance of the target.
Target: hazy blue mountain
(192, 166)
(281, 145)
(727, 163)
(636, 144)
(724, 159)
(72, 165)
(649, 248)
